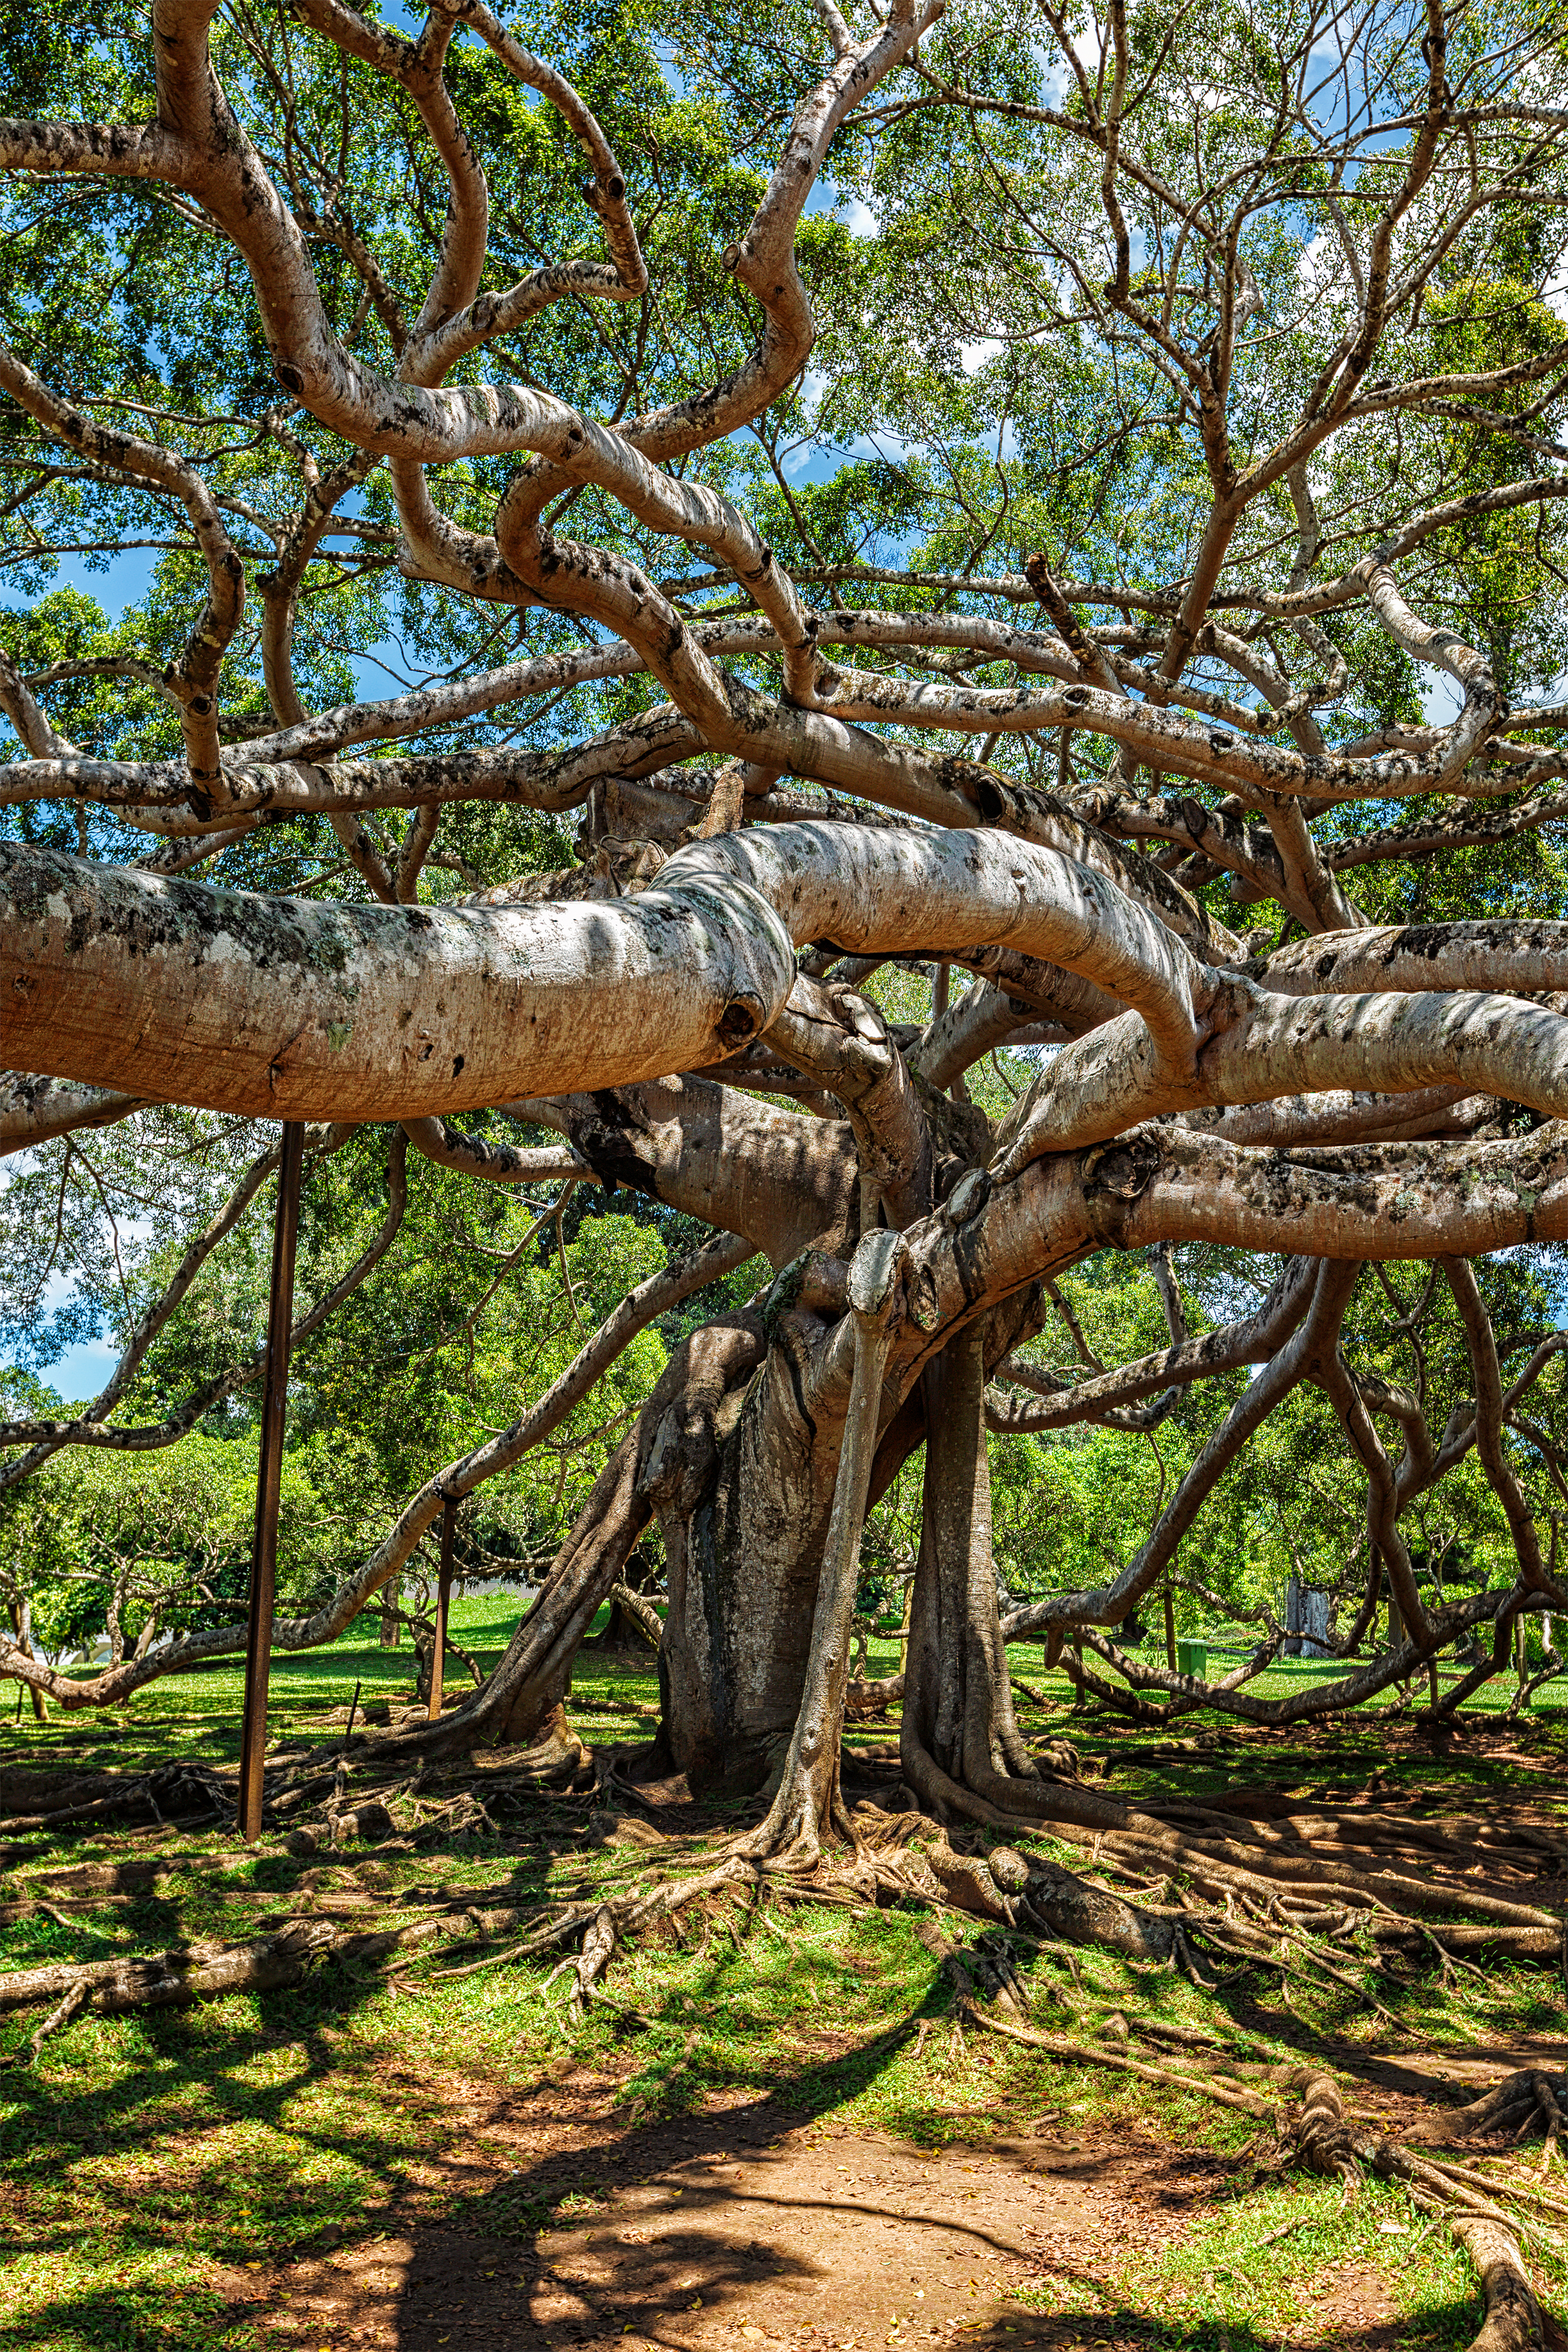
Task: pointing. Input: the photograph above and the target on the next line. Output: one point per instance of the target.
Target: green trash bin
(1191, 1658)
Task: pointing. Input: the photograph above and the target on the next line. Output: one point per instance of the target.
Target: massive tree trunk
(744, 1513)
(673, 1439)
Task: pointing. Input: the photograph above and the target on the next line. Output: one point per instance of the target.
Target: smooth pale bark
(1165, 1183)
(983, 1018)
(1526, 958)
(191, 680)
(1342, 1116)
(876, 892)
(278, 1008)
(807, 1802)
(1076, 1004)
(35, 1110)
(1261, 1048)
(842, 1042)
(157, 797)
(124, 987)
(286, 1010)
(1163, 738)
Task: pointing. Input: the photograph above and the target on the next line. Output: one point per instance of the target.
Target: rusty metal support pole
(268, 1477)
(442, 1602)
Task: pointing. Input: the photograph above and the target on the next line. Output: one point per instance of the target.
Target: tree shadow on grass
(550, 2252)
(191, 2267)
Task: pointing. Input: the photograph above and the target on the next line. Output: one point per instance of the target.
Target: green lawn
(165, 1712)
(146, 2160)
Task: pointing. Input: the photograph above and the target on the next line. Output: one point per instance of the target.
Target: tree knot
(1122, 1169)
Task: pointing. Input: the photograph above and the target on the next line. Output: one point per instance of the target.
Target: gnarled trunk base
(962, 1753)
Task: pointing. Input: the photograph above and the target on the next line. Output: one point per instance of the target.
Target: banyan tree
(1160, 644)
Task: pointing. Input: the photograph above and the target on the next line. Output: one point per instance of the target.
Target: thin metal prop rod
(443, 1602)
(269, 1474)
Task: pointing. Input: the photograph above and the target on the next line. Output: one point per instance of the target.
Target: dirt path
(754, 2226)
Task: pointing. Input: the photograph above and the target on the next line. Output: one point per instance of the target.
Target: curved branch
(1481, 1346)
(92, 1427)
(1253, 1340)
(640, 1308)
(1302, 1357)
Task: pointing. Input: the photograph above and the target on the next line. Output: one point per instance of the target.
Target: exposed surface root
(972, 1971)
(1323, 2141)
(1251, 1919)
(184, 1792)
(1194, 1898)
(1512, 2322)
(211, 1971)
(1529, 2100)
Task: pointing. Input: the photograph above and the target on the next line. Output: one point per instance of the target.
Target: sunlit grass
(148, 2159)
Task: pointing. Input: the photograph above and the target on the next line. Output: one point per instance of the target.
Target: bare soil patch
(742, 2224)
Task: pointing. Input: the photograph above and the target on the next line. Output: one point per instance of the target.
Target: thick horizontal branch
(281, 1009)
(1059, 1405)
(277, 1008)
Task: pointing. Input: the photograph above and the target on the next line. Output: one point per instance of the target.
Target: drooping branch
(1305, 1355)
(462, 1477)
(93, 1427)
(1481, 1345)
(1253, 1340)
(494, 1163)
